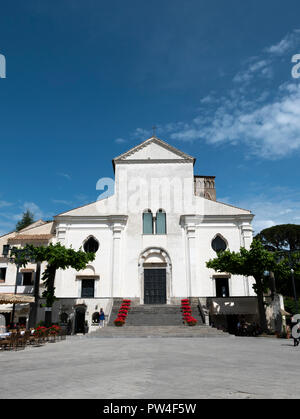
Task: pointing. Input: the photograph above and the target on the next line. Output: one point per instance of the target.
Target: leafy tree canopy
(253, 262)
(57, 257)
(27, 219)
(281, 237)
(284, 241)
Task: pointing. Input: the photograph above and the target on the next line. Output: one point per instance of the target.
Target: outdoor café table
(4, 335)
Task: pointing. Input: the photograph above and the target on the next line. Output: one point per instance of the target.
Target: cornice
(157, 141)
(101, 219)
(193, 219)
(154, 161)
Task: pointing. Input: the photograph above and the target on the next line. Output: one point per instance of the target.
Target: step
(159, 331)
(154, 315)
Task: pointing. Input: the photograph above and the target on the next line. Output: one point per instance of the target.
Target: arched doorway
(80, 319)
(155, 271)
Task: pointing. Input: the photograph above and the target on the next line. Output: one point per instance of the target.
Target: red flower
(123, 313)
(119, 322)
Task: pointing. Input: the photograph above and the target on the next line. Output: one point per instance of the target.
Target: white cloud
(267, 121)
(4, 204)
(263, 64)
(35, 209)
(65, 175)
(270, 130)
(142, 134)
(273, 208)
(286, 44)
(6, 226)
(120, 141)
(62, 201)
(14, 213)
(258, 68)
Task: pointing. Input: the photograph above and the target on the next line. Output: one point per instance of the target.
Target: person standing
(101, 318)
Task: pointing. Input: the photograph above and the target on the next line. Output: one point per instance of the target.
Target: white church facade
(152, 238)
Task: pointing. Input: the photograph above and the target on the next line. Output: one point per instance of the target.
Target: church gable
(153, 149)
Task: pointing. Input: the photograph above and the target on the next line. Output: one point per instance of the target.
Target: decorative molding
(154, 161)
(100, 219)
(150, 250)
(197, 220)
(143, 256)
(157, 141)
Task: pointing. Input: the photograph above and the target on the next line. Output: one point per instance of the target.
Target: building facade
(152, 238)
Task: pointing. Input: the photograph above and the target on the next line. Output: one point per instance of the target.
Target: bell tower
(204, 186)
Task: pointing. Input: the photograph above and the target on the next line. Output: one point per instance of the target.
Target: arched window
(91, 245)
(219, 244)
(161, 222)
(147, 222)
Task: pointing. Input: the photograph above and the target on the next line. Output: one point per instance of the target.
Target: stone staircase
(158, 332)
(153, 315)
(146, 321)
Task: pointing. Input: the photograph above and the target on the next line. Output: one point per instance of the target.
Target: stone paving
(153, 368)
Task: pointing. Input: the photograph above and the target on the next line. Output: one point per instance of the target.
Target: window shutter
(161, 223)
(147, 223)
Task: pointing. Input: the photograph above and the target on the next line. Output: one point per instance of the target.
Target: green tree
(281, 240)
(250, 263)
(290, 305)
(281, 237)
(27, 219)
(57, 257)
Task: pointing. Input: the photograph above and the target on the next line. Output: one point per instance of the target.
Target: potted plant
(119, 322)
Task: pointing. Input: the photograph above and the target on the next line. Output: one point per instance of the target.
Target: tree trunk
(50, 289)
(261, 306)
(34, 306)
(48, 318)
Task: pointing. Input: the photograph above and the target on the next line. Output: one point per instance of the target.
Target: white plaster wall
(67, 285)
(188, 245)
(205, 285)
(153, 151)
(143, 186)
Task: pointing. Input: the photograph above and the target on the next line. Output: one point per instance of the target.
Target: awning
(16, 299)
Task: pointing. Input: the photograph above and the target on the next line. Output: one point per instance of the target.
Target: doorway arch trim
(165, 263)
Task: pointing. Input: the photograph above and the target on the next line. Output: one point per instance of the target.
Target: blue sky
(86, 81)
